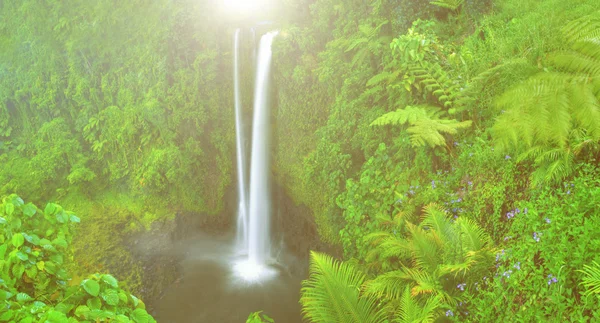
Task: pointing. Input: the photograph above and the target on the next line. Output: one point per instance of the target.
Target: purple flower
(547, 220)
(507, 157)
(568, 191)
(456, 143)
(449, 313)
(461, 287)
(536, 237)
(552, 279)
(432, 184)
(510, 215)
(518, 265)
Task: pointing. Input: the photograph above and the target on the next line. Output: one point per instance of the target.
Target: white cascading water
(242, 220)
(259, 244)
(259, 215)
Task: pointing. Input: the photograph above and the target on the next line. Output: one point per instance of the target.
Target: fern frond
(591, 279)
(332, 294)
(474, 238)
(410, 311)
(584, 28)
(426, 126)
(389, 285)
(583, 58)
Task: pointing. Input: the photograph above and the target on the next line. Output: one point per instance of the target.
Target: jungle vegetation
(449, 148)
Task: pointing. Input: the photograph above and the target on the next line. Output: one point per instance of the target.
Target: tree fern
(552, 117)
(591, 281)
(426, 124)
(584, 28)
(332, 294)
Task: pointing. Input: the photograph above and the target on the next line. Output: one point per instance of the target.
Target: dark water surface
(210, 292)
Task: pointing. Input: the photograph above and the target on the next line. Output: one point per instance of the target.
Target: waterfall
(242, 220)
(254, 218)
(259, 234)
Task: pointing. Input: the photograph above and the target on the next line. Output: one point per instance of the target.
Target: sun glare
(243, 6)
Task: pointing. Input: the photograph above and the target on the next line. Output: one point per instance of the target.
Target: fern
(591, 281)
(332, 294)
(432, 252)
(584, 28)
(410, 311)
(553, 116)
(426, 125)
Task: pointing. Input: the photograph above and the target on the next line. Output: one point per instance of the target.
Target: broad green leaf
(110, 280)
(94, 303)
(31, 271)
(23, 256)
(18, 240)
(57, 258)
(40, 265)
(91, 286)
(50, 267)
(56, 317)
(29, 210)
(7, 316)
(140, 316)
(9, 208)
(62, 217)
(50, 209)
(33, 239)
(82, 311)
(23, 297)
(122, 319)
(111, 297)
(60, 242)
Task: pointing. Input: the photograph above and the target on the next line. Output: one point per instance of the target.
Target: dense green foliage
(114, 96)
(35, 285)
(450, 148)
(452, 153)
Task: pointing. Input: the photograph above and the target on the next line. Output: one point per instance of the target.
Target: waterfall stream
(242, 220)
(254, 226)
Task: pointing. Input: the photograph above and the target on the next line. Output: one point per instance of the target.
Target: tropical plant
(554, 117)
(427, 124)
(591, 280)
(434, 256)
(35, 285)
(332, 293)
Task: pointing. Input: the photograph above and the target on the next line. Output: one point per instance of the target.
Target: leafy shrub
(35, 285)
(553, 236)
